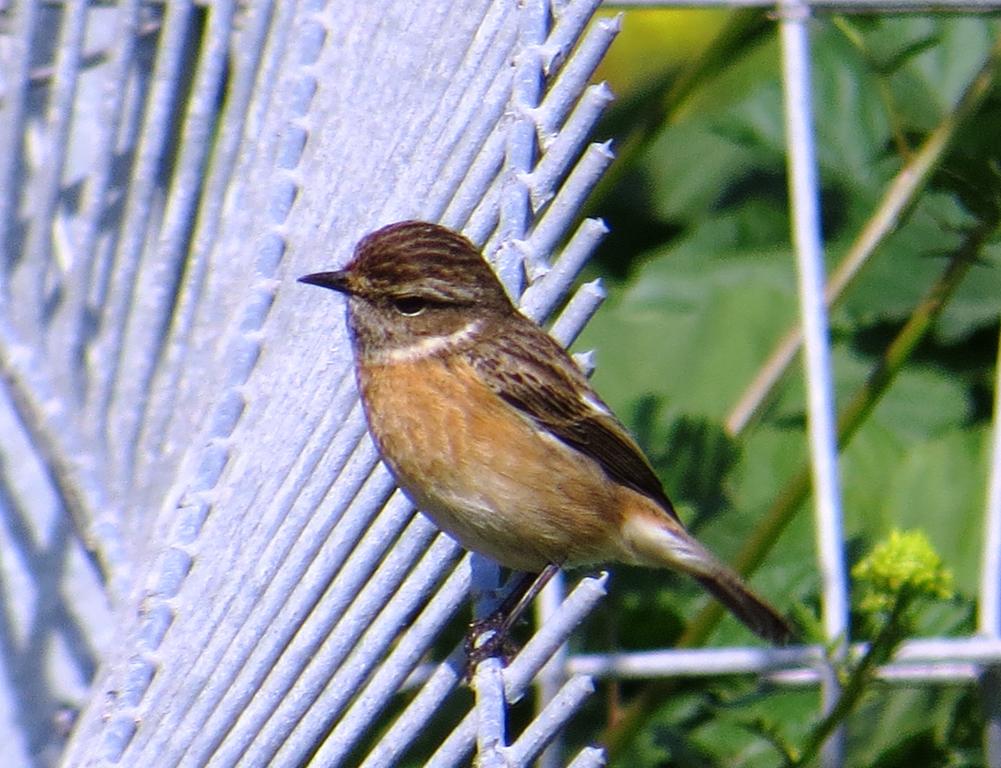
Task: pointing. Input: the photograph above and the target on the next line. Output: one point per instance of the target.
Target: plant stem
(901, 195)
(850, 418)
(790, 499)
(890, 636)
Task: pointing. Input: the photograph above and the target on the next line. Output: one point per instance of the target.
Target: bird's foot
(489, 638)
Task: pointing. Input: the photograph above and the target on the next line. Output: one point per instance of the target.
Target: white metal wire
(805, 204)
(989, 616)
(804, 192)
(939, 659)
(185, 440)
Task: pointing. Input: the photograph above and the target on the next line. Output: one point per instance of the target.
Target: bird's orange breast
(483, 471)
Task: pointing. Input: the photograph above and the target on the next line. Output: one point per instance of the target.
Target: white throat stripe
(429, 346)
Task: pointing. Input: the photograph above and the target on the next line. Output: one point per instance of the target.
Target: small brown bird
(493, 431)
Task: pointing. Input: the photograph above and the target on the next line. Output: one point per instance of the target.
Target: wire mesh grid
(250, 590)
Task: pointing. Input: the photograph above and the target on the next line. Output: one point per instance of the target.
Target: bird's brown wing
(533, 373)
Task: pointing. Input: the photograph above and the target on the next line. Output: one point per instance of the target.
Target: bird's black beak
(336, 281)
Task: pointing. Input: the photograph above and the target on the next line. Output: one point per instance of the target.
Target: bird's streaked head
(412, 283)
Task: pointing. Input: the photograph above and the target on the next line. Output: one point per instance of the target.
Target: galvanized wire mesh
(169, 169)
(196, 526)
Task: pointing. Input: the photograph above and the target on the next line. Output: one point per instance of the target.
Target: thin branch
(900, 198)
(790, 499)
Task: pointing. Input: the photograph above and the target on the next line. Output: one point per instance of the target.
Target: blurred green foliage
(702, 285)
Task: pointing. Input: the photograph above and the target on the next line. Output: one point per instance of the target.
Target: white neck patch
(427, 346)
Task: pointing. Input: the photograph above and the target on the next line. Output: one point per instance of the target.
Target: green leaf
(865, 465)
(923, 402)
(698, 327)
(901, 727)
(907, 264)
(738, 707)
(704, 301)
(940, 487)
(946, 68)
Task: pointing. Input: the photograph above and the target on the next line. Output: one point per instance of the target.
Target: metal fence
(196, 528)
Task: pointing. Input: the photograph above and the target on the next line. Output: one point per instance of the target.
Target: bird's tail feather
(658, 540)
(757, 615)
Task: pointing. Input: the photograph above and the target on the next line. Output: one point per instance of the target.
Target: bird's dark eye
(410, 305)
